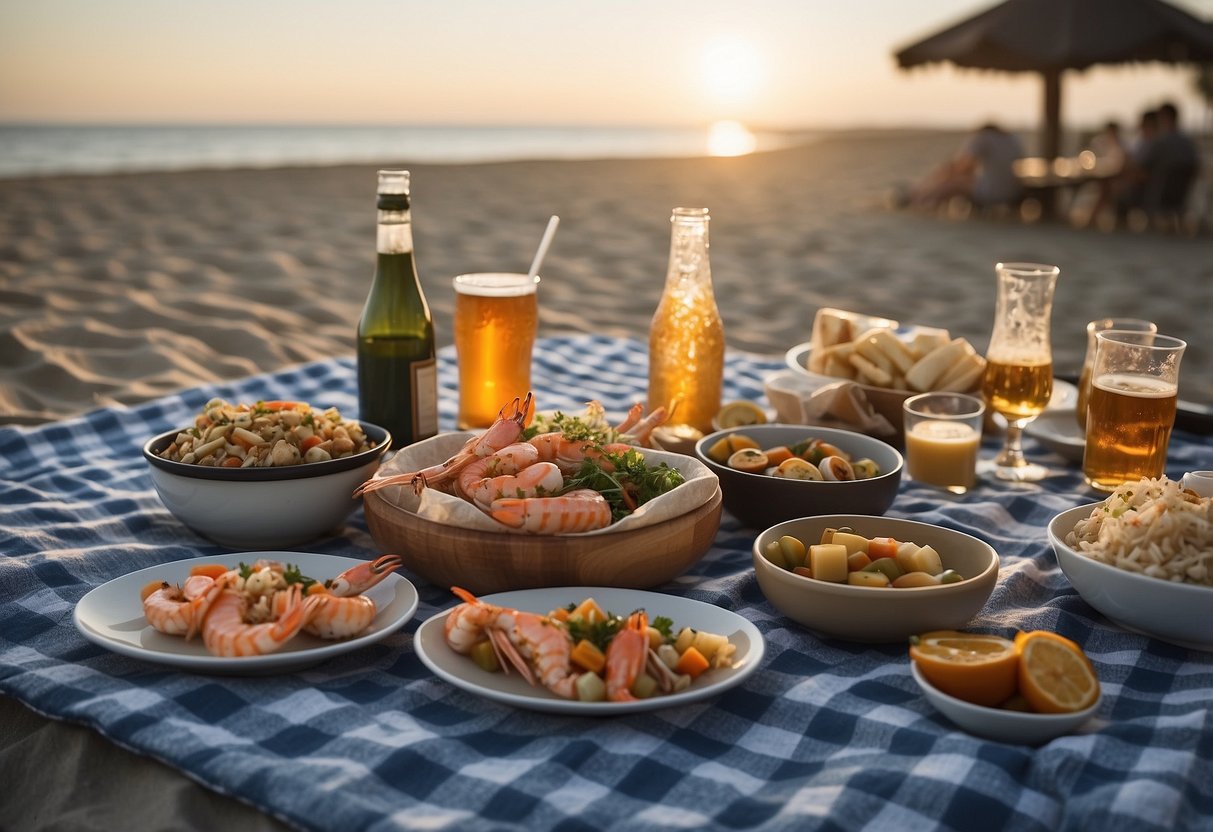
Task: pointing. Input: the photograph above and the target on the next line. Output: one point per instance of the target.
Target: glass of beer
(1084, 378)
(496, 319)
(1018, 381)
(1134, 385)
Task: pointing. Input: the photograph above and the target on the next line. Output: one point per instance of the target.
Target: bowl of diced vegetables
(873, 579)
(770, 473)
(264, 475)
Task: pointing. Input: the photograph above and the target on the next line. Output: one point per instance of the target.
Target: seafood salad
(583, 652)
(255, 610)
(576, 479)
(265, 434)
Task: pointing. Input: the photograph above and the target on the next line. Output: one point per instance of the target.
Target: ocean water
(40, 150)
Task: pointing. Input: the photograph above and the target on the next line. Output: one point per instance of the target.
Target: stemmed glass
(1018, 380)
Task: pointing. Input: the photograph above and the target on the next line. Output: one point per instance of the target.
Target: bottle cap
(393, 190)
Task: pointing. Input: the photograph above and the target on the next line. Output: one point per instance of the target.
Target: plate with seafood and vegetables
(249, 612)
(589, 650)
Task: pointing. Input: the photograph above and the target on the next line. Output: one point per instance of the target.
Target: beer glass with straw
(1018, 381)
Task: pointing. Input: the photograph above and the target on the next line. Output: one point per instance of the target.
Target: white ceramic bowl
(263, 508)
(759, 500)
(1015, 727)
(1168, 611)
(879, 614)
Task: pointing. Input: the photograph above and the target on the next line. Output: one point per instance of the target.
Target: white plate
(1015, 727)
(112, 616)
(1058, 430)
(462, 672)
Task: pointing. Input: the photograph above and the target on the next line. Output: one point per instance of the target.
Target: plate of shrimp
(248, 612)
(527, 648)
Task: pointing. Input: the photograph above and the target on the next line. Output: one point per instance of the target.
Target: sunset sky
(776, 63)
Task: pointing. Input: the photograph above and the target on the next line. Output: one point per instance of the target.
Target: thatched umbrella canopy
(1052, 36)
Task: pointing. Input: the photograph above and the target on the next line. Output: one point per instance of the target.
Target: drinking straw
(543, 246)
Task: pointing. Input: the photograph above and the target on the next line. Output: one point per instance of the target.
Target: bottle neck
(395, 233)
(689, 264)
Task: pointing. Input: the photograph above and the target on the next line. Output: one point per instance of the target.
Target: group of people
(1155, 172)
(1152, 174)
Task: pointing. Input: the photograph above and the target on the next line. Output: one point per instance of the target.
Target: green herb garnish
(630, 484)
(293, 575)
(599, 633)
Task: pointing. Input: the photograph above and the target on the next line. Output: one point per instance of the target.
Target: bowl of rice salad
(1144, 558)
(266, 475)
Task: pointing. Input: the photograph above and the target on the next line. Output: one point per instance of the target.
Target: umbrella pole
(1051, 132)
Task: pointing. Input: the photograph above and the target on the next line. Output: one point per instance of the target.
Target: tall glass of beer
(1018, 380)
(496, 319)
(1134, 385)
(1084, 378)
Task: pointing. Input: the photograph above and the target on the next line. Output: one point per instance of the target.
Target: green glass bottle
(397, 367)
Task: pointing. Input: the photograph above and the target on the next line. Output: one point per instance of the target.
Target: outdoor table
(826, 734)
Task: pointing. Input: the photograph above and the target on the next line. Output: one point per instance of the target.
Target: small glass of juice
(943, 435)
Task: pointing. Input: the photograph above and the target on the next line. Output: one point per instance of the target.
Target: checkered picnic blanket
(827, 734)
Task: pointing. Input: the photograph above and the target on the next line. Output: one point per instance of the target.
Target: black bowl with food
(825, 471)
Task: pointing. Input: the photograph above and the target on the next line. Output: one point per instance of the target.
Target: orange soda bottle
(686, 339)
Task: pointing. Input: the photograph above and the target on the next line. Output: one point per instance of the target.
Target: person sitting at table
(1125, 187)
(1170, 164)
(983, 172)
(1109, 147)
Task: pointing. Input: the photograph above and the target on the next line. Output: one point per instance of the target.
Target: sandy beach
(119, 289)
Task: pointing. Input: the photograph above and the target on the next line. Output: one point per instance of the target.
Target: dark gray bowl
(759, 501)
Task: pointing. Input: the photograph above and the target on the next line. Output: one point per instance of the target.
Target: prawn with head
(539, 648)
(341, 610)
(509, 426)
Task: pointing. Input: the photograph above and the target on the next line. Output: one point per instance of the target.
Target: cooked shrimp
(176, 610)
(639, 431)
(359, 579)
(502, 432)
(226, 633)
(543, 479)
(626, 657)
(535, 645)
(548, 647)
(509, 460)
(467, 624)
(343, 611)
(570, 453)
(581, 510)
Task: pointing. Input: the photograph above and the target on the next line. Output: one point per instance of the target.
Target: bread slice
(964, 375)
(931, 367)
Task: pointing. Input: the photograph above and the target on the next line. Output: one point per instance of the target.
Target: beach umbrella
(1052, 36)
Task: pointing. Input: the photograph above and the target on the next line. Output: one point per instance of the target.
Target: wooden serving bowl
(483, 562)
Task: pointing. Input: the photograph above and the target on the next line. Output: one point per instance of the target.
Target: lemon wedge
(739, 414)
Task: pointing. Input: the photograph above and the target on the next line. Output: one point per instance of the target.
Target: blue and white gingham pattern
(827, 735)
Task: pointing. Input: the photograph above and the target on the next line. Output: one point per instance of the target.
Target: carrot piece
(588, 611)
(209, 570)
(317, 589)
(561, 615)
(778, 454)
(277, 405)
(588, 657)
(692, 663)
(150, 587)
(882, 547)
(309, 443)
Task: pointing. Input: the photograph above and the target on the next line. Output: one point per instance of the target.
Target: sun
(731, 69)
(731, 138)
